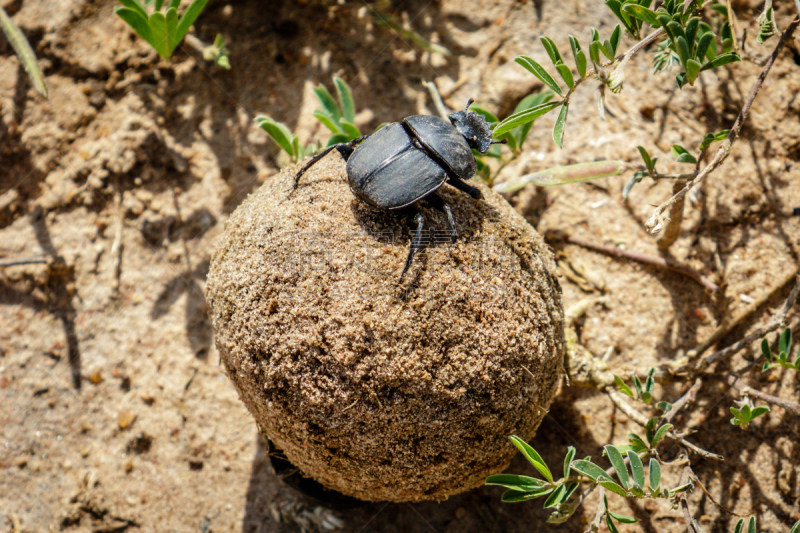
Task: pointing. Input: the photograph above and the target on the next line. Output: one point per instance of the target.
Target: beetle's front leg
(463, 186)
(416, 243)
(345, 149)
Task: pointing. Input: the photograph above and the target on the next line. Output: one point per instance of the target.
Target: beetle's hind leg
(462, 186)
(416, 243)
(437, 203)
(345, 149)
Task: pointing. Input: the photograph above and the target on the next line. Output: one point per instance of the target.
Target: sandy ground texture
(115, 412)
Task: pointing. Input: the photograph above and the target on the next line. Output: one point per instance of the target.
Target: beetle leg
(345, 149)
(460, 185)
(416, 242)
(437, 203)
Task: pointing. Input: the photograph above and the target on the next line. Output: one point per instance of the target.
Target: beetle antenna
(469, 103)
(504, 141)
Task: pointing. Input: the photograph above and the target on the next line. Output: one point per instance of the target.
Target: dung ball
(381, 389)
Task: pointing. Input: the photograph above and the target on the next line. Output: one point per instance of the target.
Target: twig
(643, 258)
(673, 230)
(641, 419)
(726, 328)
(116, 247)
(30, 260)
(739, 385)
(777, 322)
(690, 396)
(656, 223)
(691, 524)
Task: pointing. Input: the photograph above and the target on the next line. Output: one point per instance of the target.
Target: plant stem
(642, 258)
(15, 261)
(641, 419)
(690, 396)
(656, 223)
(739, 385)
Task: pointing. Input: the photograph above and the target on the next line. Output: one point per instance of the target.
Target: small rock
(125, 419)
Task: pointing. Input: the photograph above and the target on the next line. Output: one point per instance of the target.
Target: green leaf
(692, 70)
(655, 473)
(650, 383)
(622, 518)
(785, 342)
(533, 457)
(623, 388)
(561, 122)
(536, 69)
(568, 459)
(530, 101)
(643, 14)
(691, 31)
(556, 497)
(650, 429)
(511, 496)
(661, 433)
(594, 51)
(751, 526)
(158, 28)
(612, 528)
(721, 60)
(338, 138)
(172, 25)
(619, 465)
(174, 3)
(24, 52)
(627, 189)
(758, 411)
(323, 117)
(637, 469)
(637, 385)
(188, 18)
(607, 49)
(350, 129)
(566, 74)
(138, 23)
(687, 158)
(279, 132)
(328, 103)
(518, 483)
(580, 57)
(523, 117)
(589, 469)
(613, 487)
(702, 45)
(345, 99)
(795, 528)
(616, 37)
(739, 525)
(646, 157)
(135, 6)
(683, 49)
(552, 51)
(664, 406)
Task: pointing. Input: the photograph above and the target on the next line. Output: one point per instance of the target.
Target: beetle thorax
(474, 128)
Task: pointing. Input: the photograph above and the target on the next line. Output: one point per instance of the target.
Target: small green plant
(631, 483)
(163, 31)
(743, 416)
(338, 117)
(644, 392)
(784, 347)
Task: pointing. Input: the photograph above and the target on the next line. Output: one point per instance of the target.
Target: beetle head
(473, 127)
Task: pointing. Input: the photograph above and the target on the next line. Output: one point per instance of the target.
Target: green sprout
(24, 51)
(784, 347)
(163, 31)
(742, 417)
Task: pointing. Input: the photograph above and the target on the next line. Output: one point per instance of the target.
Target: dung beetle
(405, 162)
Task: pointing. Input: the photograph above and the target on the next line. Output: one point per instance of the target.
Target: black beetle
(405, 162)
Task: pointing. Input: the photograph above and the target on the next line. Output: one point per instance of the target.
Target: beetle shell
(388, 171)
(446, 142)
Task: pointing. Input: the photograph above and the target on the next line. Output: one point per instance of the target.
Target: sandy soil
(115, 413)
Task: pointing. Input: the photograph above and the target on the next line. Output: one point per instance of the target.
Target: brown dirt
(126, 389)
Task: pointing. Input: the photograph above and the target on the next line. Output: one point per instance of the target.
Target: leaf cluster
(644, 392)
(163, 31)
(337, 116)
(633, 483)
(784, 349)
(742, 417)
